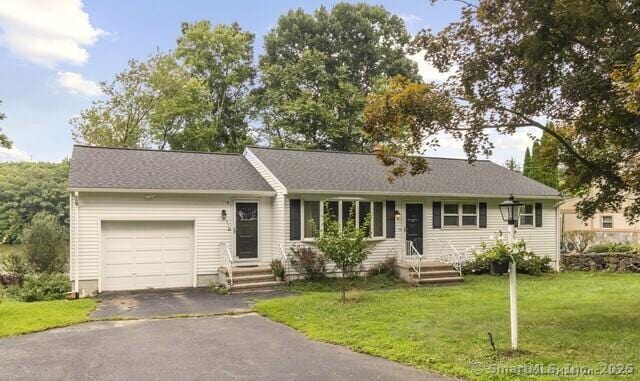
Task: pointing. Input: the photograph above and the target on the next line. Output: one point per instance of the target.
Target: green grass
(18, 318)
(584, 319)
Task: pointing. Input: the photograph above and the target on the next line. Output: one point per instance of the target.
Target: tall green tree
(193, 98)
(4, 140)
(544, 161)
(316, 69)
(220, 57)
(30, 188)
(526, 166)
(515, 61)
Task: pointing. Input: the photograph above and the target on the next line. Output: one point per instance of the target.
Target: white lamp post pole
(513, 300)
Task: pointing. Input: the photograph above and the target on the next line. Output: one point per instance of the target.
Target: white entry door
(147, 254)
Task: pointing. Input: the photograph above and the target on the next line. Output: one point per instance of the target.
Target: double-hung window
(460, 214)
(312, 221)
(526, 215)
(343, 211)
(607, 222)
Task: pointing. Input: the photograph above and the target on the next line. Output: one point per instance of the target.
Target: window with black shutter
(437, 215)
(391, 219)
(294, 220)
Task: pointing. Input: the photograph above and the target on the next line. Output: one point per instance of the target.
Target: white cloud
(74, 83)
(428, 72)
(47, 32)
(410, 18)
(13, 154)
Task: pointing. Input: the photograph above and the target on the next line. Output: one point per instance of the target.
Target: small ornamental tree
(345, 245)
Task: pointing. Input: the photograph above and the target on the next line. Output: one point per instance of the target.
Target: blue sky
(53, 53)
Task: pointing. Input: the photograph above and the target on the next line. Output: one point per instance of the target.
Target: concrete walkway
(189, 301)
(242, 347)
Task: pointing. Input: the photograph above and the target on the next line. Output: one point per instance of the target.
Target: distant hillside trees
(4, 140)
(27, 189)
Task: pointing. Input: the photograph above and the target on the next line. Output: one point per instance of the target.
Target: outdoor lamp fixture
(510, 210)
(223, 214)
(397, 214)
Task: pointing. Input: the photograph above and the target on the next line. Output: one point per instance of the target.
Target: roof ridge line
(158, 150)
(357, 153)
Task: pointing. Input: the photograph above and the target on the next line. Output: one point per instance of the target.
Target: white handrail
(285, 260)
(454, 257)
(416, 257)
(226, 256)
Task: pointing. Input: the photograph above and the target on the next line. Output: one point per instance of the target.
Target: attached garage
(147, 254)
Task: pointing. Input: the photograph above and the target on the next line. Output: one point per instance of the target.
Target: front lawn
(19, 317)
(579, 319)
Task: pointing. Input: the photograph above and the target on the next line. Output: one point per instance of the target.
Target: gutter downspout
(76, 260)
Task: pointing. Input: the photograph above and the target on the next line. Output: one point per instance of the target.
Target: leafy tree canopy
(4, 140)
(316, 69)
(29, 188)
(515, 61)
(193, 98)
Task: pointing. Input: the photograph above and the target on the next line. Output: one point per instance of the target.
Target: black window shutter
(437, 214)
(538, 214)
(483, 215)
(294, 220)
(391, 219)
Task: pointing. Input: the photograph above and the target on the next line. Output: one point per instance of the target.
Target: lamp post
(510, 211)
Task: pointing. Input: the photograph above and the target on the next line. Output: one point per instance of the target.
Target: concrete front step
(242, 279)
(439, 281)
(249, 270)
(426, 266)
(256, 286)
(435, 274)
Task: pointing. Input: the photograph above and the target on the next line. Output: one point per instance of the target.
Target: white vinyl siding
(542, 240)
(278, 216)
(203, 210)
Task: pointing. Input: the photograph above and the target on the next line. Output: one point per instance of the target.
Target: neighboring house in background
(609, 226)
(158, 219)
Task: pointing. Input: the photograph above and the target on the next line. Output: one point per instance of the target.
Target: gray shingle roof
(97, 167)
(340, 171)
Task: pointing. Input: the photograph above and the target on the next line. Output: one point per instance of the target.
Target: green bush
(387, 267)
(40, 287)
(14, 263)
(308, 262)
(46, 244)
(526, 261)
(610, 247)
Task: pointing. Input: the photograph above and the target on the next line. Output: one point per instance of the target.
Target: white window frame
(303, 221)
(340, 214)
(602, 221)
(460, 213)
(532, 214)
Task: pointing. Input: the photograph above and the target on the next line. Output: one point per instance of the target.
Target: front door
(413, 225)
(246, 230)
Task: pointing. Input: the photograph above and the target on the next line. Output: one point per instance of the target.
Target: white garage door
(147, 254)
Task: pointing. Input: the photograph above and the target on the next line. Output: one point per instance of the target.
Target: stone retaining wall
(611, 262)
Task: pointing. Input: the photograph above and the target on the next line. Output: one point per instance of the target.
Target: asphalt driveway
(241, 347)
(162, 303)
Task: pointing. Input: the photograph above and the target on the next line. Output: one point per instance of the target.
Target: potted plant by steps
(278, 269)
(499, 256)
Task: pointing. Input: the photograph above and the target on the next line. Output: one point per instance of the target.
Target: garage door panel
(143, 254)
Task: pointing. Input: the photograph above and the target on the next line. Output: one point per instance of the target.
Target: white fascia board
(419, 194)
(174, 191)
